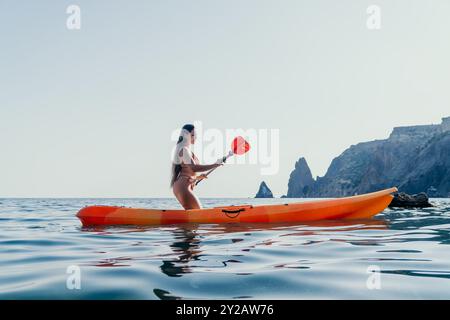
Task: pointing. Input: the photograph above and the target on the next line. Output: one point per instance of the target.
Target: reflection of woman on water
(186, 247)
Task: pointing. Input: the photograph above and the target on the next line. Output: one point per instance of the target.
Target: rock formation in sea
(403, 200)
(300, 180)
(413, 158)
(264, 191)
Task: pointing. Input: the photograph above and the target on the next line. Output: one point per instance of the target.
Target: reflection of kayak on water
(188, 249)
(307, 227)
(357, 207)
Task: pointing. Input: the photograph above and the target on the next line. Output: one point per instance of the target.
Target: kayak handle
(232, 213)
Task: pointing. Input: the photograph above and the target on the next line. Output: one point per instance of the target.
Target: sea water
(45, 253)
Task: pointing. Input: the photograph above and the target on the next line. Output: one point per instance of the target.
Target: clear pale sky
(89, 113)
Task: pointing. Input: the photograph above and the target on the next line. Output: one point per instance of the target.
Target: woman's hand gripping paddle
(239, 146)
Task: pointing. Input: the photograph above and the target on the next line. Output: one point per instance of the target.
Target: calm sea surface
(46, 254)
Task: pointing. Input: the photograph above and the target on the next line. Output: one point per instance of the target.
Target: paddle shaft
(209, 172)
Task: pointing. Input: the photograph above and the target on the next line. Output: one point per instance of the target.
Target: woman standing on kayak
(184, 168)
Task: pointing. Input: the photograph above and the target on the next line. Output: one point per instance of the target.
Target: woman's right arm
(203, 167)
(186, 160)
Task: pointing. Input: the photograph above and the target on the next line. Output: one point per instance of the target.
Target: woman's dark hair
(176, 168)
(188, 127)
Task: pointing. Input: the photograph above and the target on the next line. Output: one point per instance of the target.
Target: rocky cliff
(414, 158)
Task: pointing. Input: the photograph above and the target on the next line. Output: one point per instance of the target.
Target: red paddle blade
(239, 145)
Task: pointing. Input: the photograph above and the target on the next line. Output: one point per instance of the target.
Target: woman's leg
(183, 193)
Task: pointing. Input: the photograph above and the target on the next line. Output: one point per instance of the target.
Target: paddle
(238, 146)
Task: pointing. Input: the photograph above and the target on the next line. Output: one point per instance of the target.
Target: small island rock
(264, 191)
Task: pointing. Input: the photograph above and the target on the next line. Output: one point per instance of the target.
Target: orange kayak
(357, 207)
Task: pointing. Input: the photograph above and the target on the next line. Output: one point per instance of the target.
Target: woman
(184, 168)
